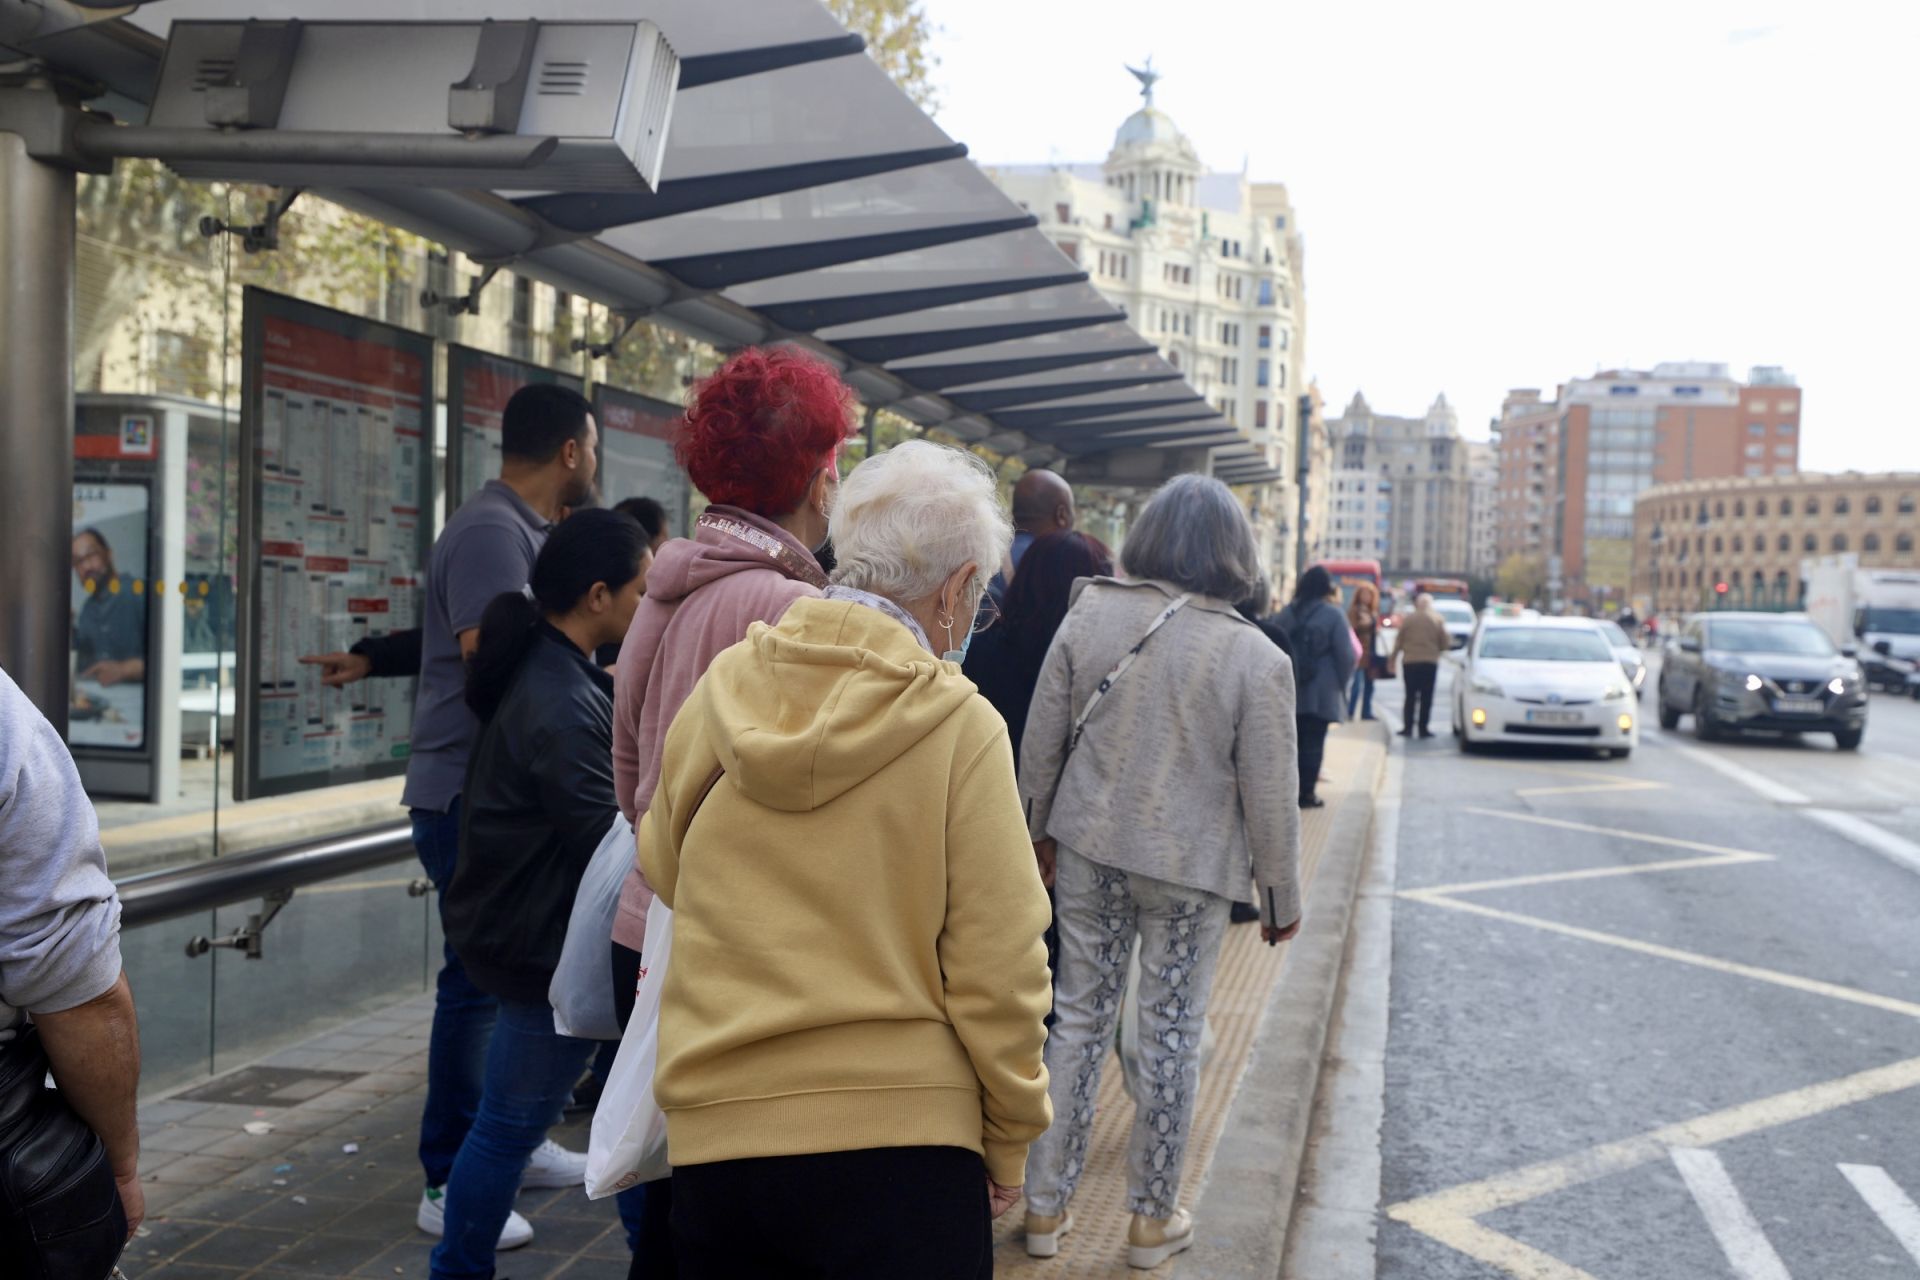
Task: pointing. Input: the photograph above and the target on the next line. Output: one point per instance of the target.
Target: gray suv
(1773, 671)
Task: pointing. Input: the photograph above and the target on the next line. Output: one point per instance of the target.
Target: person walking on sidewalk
(1418, 644)
(538, 800)
(1323, 665)
(1363, 615)
(761, 440)
(850, 1030)
(1160, 722)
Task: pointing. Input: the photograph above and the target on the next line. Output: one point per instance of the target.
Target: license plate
(1554, 717)
(1798, 706)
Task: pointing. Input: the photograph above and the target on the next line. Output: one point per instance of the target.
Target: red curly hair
(761, 426)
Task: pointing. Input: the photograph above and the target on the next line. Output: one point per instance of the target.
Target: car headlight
(1482, 684)
(1639, 676)
(1615, 692)
(1839, 685)
(1751, 683)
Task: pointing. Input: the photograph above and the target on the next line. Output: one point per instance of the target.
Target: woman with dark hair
(761, 440)
(1005, 659)
(652, 517)
(1323, 664)
(538, 799)
(1160, 721)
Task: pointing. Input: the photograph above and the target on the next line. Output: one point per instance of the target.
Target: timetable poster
(336, 538)
(636, 453)
(478, 388)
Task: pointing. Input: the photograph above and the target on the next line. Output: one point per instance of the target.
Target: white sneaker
(432, 1219)
(553, 1165)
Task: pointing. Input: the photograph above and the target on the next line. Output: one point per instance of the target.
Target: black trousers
(885, 1213)
(1312, 732)
(1418, 708)
(654, 1259)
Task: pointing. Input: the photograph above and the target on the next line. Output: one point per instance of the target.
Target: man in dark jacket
(1323, 659)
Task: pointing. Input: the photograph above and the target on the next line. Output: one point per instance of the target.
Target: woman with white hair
(1158, 770)
(851, 1027)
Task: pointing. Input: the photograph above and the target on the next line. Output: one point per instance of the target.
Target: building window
(1842, 505)
(1903, 543)
(1263, 372)
(1756, 429)
(1813, 506)
(1788, 406)
(1718, 545)
(1905, 505)
(1756, 451)
(1760, 508)
(1062, 213)
(1260, 415)
(1870, 543)
(1786, 543)
(1810, 544)
(1783, 451)
(1739, 509)
(1873, 504)
(1839, 542)
(1783, 470)
(1719, 510)
(1265, 338)
(1755, 469)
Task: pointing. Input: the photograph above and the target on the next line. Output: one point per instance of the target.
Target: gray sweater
(1186, 771)
(59, 914)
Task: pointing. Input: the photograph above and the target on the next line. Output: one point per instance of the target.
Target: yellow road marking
(1591, 873)
(1774, 976)
(1484, 1244)
(1642, 836)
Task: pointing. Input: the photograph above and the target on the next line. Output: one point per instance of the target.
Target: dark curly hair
(761, 426)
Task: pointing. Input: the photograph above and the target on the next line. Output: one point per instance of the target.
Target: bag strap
(1120, 668)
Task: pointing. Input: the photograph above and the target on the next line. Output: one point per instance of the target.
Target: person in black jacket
(1323, 651)
(538, 799)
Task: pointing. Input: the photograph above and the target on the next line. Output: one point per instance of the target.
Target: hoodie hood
(726, 541)
(801, 713)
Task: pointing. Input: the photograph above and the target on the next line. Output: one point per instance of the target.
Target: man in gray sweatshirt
(60, 938)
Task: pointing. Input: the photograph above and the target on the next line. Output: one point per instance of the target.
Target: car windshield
(1617, 635)
(1768, 636)
(1899, 622)
(1454, 610)
(1544, 644)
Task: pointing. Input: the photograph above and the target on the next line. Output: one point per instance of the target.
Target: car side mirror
(1849, 651)
(1689, 644)
(1883, 647)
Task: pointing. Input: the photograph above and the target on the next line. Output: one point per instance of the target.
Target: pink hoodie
(702, 594)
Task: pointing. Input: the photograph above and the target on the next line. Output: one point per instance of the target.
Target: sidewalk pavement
(330, 1189)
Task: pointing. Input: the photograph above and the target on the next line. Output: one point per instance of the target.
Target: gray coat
(1322, 657)
(1186, 771)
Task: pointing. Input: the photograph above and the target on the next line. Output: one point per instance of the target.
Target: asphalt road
(1628, 1071)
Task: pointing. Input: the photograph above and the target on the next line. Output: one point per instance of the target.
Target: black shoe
(1426, 733)
(1243, 913)
(1403, 733)
(1312, 802)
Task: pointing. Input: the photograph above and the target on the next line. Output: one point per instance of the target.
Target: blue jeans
(1362, 683)
(463, 1015)
(530, 1075)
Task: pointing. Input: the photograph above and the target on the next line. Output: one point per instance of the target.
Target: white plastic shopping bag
(629, 1141)
(582, 988)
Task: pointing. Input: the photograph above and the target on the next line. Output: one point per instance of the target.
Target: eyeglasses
(986, 614)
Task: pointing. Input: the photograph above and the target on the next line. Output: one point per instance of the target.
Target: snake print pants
(1100, 910)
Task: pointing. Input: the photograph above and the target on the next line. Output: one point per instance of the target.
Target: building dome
(1146, 127)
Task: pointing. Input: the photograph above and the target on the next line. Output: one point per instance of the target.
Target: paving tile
(188, 1271)
(386, 1219)
(162, 1196)
(164, 1238)
(201, 1170)
(595, 1269)
(218, 1205)
(184, 1138)
(306, 1214)
(241, 1247)
(573, 1235)
(248, 1146)
(329, 1254)
(169, 1111)
(151, 1160)
(411, 1260)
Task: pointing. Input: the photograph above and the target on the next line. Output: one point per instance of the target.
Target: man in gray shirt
(60, 939)
(550, 453)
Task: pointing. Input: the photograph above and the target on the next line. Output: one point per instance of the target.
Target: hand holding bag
(60, 1212)
(582, 989)
(629, 1138)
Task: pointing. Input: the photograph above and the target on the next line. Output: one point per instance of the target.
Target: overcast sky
(1504, 195)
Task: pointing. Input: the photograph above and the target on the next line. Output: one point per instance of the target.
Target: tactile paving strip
(1096, 1248)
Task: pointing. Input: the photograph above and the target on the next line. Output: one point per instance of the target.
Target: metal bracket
(601, 350)
(253, 92)
(490, 98)
(419, 887)
(467, 303)
(258, 237)
(246, 940)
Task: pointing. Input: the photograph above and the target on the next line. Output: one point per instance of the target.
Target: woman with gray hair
(1158, 773)
(851, 1026)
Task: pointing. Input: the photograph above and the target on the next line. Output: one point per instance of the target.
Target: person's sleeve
(993, 955)
(1043, 749)
(1344, 644)
(397, 653)
(1266, 759)
(488, 560)
(574, 773)
(59, 913)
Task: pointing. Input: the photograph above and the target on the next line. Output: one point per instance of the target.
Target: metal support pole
(873, 413)
(36, 423)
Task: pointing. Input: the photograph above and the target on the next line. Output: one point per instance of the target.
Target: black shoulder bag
(60, 1214)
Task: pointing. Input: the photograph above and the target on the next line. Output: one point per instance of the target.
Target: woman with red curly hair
(761, 439)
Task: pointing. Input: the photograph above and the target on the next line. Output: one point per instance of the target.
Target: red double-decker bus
(1348, 574)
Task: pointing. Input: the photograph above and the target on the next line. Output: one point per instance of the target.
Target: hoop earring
(946, 625)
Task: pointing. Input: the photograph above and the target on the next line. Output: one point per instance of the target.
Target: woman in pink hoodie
(761, 440)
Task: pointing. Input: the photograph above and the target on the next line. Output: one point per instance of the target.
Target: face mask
(960, 655)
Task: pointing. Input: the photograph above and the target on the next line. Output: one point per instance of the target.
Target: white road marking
(1900, 850)
(1645, 837)
(1894, 1207)
(1598, 873)
(1727, 1215)
(1758, 783)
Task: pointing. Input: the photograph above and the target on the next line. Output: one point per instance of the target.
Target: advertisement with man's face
(110, 598)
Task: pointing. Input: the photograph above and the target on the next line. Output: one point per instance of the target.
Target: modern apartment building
(1402, 489)
(1526, 444)
(1208, 266)
(1750, 534)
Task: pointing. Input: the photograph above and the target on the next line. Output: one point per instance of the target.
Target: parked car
(1459, 617)
(1774, 671)
(1628, 654)
(1543, 681)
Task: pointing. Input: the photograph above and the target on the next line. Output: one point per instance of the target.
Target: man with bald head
(1042, 504)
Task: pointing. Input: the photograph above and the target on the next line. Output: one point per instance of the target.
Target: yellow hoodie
(857, 952)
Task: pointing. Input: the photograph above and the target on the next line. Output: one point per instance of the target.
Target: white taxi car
(1543, 682)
